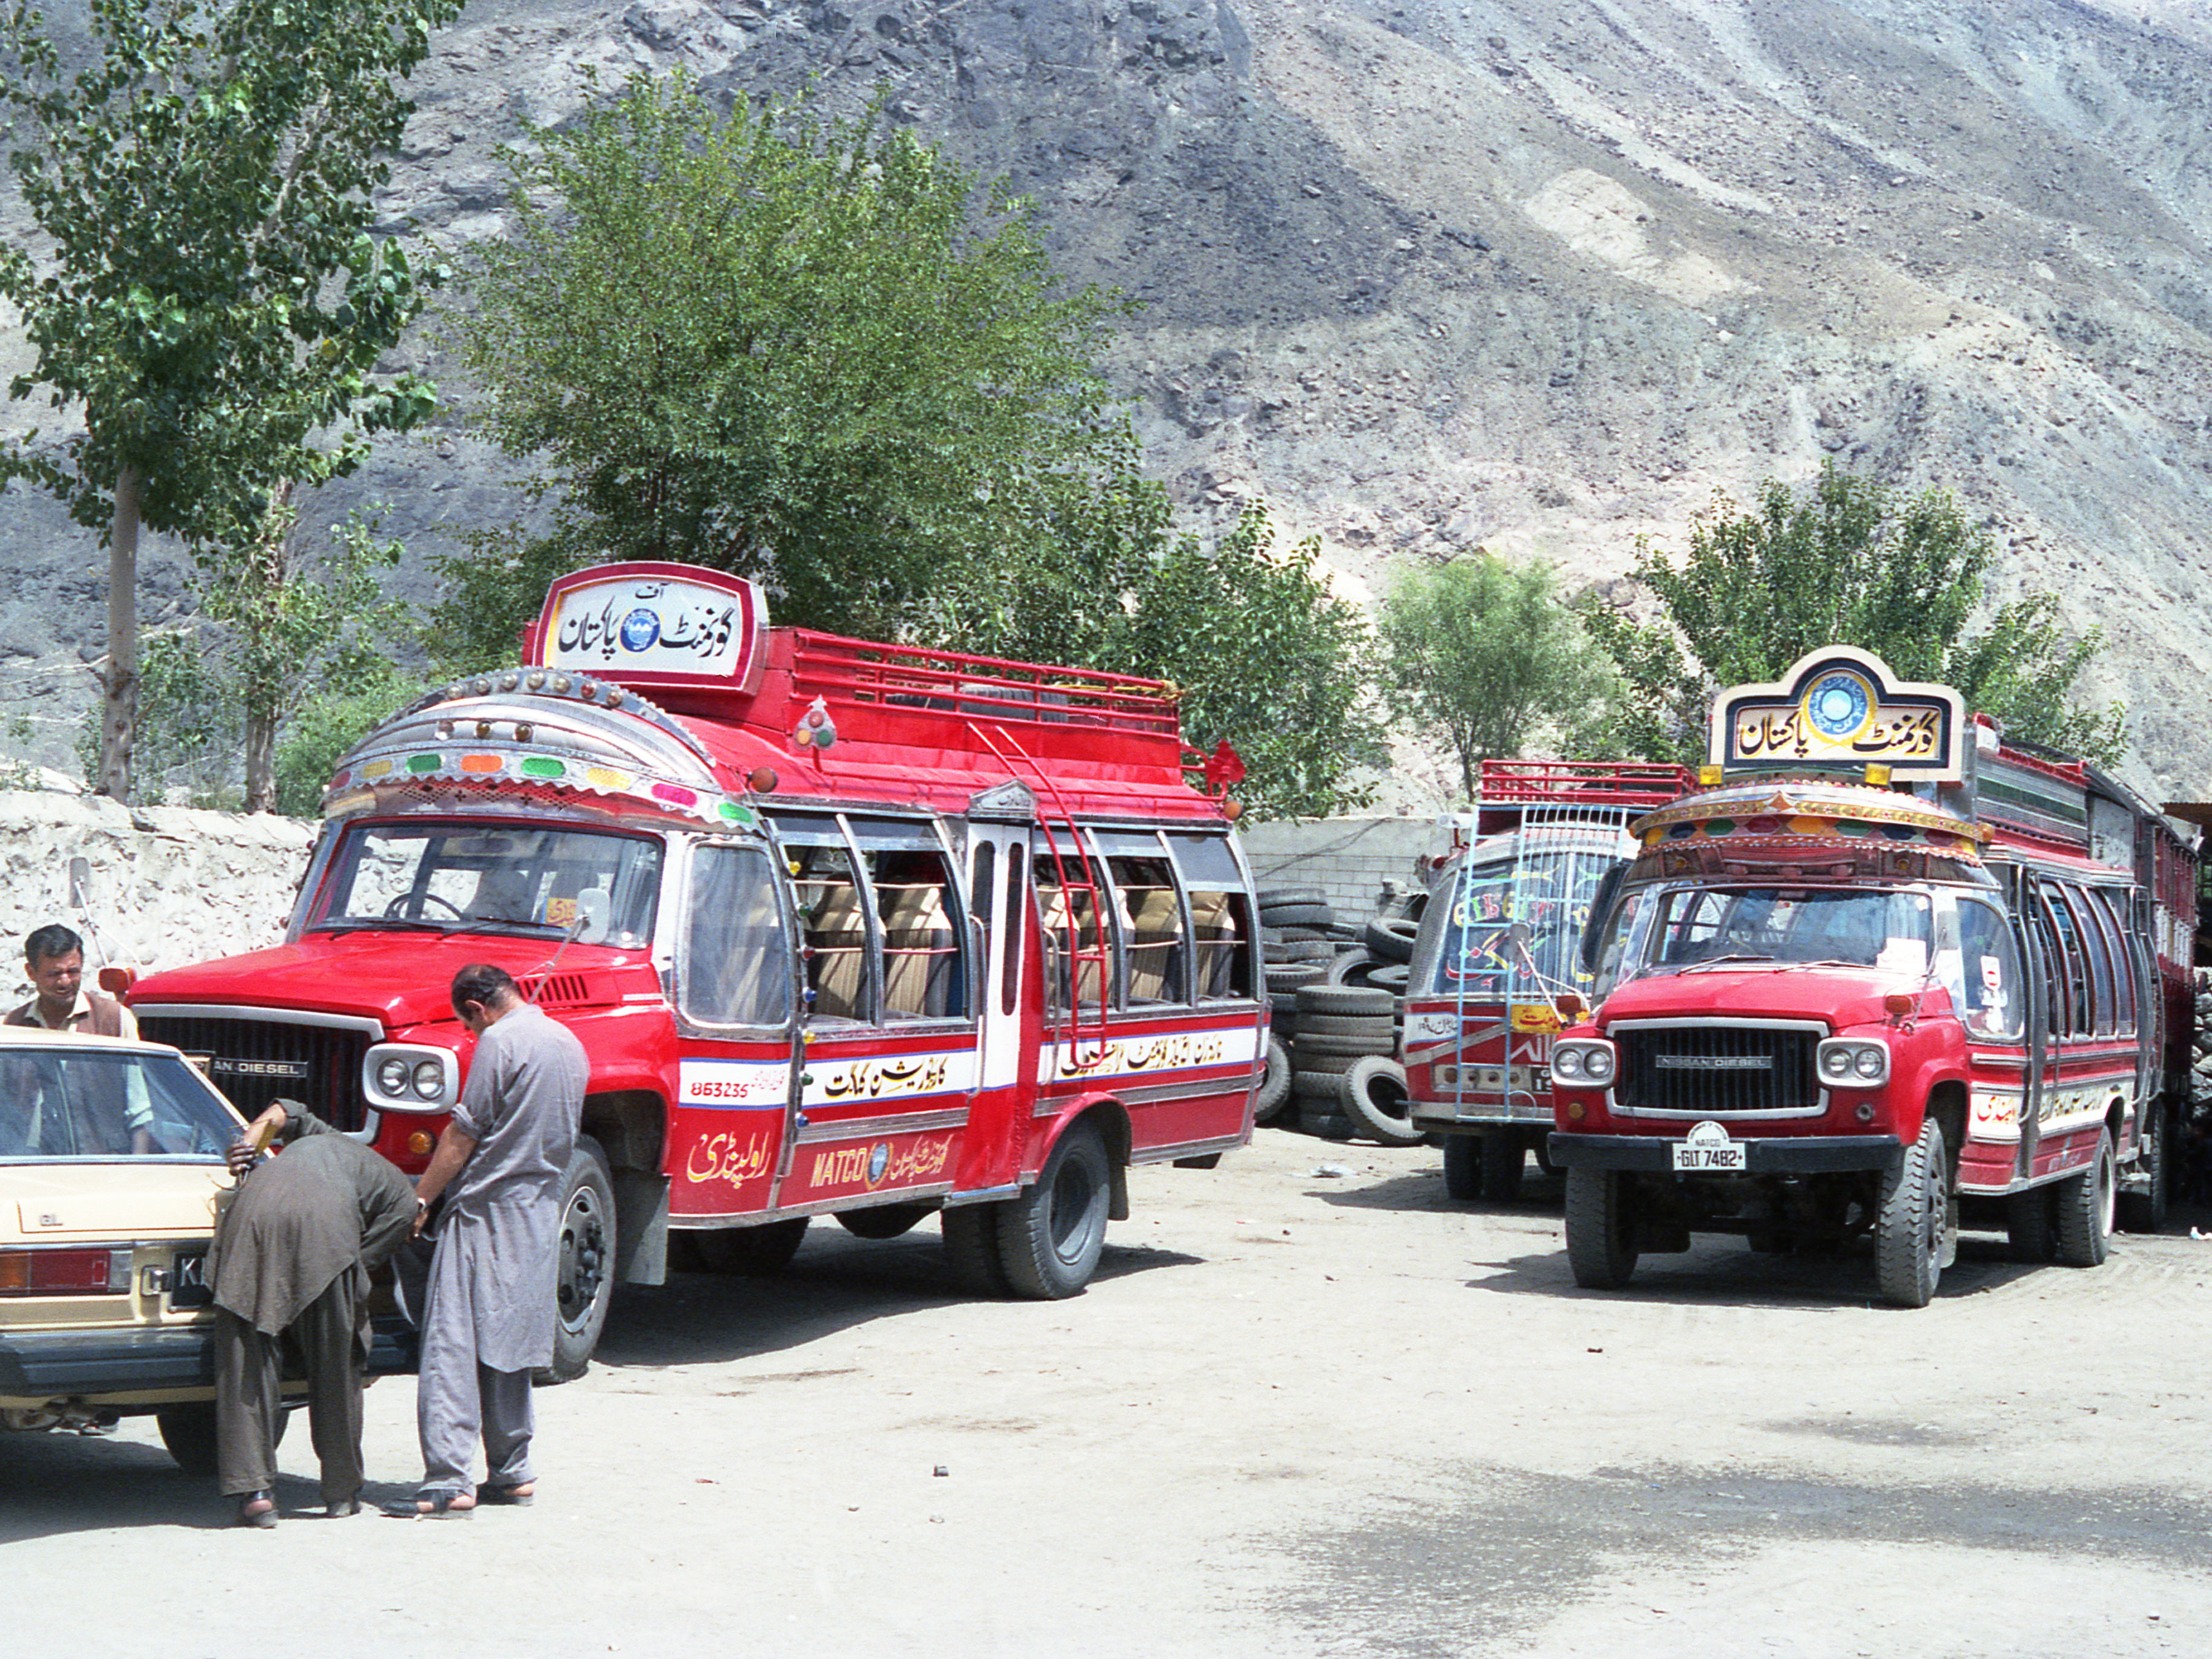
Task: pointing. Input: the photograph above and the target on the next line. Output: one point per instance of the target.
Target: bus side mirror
(590, 926)
(1601, 911)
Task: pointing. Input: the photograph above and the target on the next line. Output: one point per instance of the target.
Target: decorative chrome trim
(1664, 1115)
(872, 1128)
(1186, 1149)
(982, 1196)
(373, 1028)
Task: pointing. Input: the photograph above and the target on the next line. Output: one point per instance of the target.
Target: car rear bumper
(119, 1366)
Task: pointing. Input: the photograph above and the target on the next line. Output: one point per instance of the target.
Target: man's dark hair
(49, 941)
(482, 983)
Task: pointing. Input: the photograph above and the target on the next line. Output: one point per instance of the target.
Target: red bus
(846, 928)
(1886, 976)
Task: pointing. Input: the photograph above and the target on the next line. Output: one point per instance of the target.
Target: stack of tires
(1344, 1071)
(1297, 939)
(2192, 1167)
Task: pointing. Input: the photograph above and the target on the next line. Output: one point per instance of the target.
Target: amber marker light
(1569, 1006)
(762, 780)
(1898, 1003)
(1231, 810)
(1575, 1110)
(419, 1144)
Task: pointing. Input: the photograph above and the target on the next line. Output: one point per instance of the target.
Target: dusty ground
(1299, 1414)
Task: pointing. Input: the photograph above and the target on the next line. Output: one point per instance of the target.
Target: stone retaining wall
(1363, 865)
(170, 885)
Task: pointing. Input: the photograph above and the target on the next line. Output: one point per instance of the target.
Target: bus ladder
(1083, 881)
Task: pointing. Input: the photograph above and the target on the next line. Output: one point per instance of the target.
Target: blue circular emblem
(1838, 705)
(641, 630)
(880, 1159)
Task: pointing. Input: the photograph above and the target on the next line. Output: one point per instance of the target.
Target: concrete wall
(1360, 863)
(169, 885)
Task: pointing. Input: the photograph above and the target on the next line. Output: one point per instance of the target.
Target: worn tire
(1296, 915)
(584, 1263)
(1352, 999)
(1463, 1166)
(2145, 1213)
(1910, 1224)
(767, 1249)
(1600, 1228)
(1294, 976)
(1307, 1059)
(2086, 1204)
(1391, 938)
(1375, 1098)
(1274, 898)
(1504, 1155)
(1341, 1028)
(1350, 968)
(2031, 1224)
(188, 1431)
(1396, 978)
(971, 1249)
(1049, 1238)
(1274, 1090)
(883, 1220)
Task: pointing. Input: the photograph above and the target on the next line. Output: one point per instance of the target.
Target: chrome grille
(1717, 1069)
(255, 1061)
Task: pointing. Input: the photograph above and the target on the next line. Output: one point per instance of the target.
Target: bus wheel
(1050, 1236)
(971, 1249)
(584, 1271)
(882, 1220)
(2031, 1224)
(767, 1249)
(1909, 1233)
(1463, 1166)
(1503, 1156)
(2085, 1210)
(1600, 1228)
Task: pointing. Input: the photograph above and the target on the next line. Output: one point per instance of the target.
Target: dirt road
(1299, 1414)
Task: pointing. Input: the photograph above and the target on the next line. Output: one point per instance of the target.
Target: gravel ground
(1299, 1413)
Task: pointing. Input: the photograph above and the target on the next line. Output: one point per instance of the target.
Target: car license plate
(188, 1286)
(1708, 1148)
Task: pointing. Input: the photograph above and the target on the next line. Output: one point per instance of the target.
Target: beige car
(112, 1176)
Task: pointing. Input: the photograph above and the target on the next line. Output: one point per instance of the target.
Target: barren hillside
(1531, 275)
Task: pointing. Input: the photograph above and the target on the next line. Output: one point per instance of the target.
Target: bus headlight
(402, 1077)
(1584, 1063)
(1853, 1062)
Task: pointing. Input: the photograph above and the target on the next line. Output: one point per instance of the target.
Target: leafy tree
(329, 723)
(1852, 562)
(213, 303)
(812, 353)
(1487, 651)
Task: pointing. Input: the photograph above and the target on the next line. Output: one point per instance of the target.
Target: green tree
(330, 722)
(213, 302)
(1487, 651)
(1850, 562)
(814, 353)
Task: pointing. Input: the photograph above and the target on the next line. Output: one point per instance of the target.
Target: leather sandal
(266, 1515)
(519, 1494)
(431, 1506)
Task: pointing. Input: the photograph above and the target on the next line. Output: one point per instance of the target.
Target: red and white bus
(1885, 975)
(845, 927)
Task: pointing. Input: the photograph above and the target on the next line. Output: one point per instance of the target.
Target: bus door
(1010, 1021)
(887, 1029)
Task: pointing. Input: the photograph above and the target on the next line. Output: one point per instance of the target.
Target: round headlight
(1836, 1064)
(392, 1076)
(429, 1080)
(1567, 1064)
(1597, 1065)
(1866, 1062)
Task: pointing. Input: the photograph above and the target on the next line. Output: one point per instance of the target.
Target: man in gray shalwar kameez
(290, 1265)
(489, 1318)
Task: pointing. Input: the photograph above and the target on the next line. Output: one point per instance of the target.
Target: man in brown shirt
(289, 1272)
(53, 960)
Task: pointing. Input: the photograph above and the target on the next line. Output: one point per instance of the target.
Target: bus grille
(1718, 1069)
(255, 1061)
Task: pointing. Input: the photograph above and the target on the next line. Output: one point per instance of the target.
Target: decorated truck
(1883, 975)
(846, 928)
(1479, 1000)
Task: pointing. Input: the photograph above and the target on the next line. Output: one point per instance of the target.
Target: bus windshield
(1477, 952)
(494, 878)
(1691, 929)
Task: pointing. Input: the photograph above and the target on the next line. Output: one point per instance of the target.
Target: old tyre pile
(2192, 1171)
(1337, 1008)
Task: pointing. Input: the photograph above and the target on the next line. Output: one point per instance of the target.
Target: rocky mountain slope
(1527, 274)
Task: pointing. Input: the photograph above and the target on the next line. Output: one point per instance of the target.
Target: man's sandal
(431, 1506)
(520, 1494)
(258, 1508)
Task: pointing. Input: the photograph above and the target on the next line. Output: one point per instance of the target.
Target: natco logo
(1713, 1063)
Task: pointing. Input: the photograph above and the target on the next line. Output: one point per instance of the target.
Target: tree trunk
(118, 718)
(269, 564)
(260, 749)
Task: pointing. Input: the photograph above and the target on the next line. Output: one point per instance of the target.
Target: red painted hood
(1842, 997)
(402, 979)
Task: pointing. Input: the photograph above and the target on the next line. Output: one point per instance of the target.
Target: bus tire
(1274, 1090)
(2031, 1225)
(767, 1249)
(1375, 1098)
(1463, 1166)
(971, 1249)
(1600, 1228)
(2085, 1210)
(883, 1220)
(1909, 1227)
(1050, 1238)
(1504, 1155)
(584, 1262)
(2145, 1212)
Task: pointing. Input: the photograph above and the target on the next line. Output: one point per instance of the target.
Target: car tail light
(65, 1272)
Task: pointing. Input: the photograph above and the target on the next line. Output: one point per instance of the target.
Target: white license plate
(1689, 1158)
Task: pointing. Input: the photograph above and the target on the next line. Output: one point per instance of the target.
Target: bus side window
(1072, 939)
(735, 969)
(2112, 916)
(1014, 914)
(835, 923)
(922, 978)
(1145, 890)
(1221, 931)
(2097, 951)
(1995, 1002)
